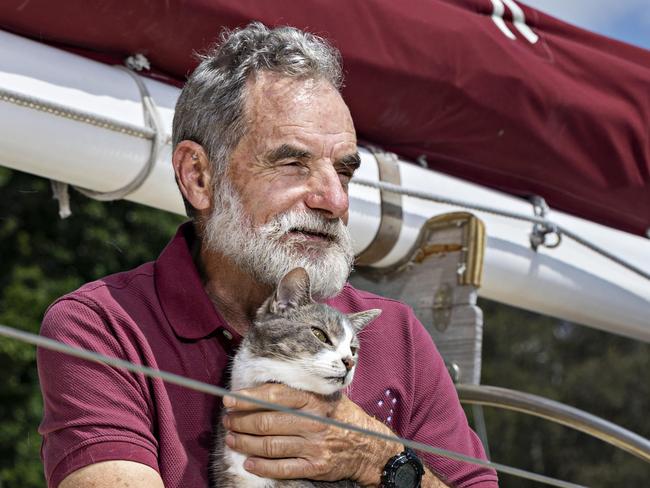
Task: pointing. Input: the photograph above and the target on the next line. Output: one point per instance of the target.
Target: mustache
(309, 222)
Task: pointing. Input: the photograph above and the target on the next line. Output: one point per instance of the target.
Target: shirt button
(227, 334)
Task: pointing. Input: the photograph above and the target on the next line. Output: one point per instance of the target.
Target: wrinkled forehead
(274, 101)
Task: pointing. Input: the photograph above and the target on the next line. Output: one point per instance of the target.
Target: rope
(152, 120)
(548, 224)
(218, 391)
(155, 130)
(59, 110)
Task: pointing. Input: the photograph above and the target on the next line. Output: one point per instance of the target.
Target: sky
(625, 20)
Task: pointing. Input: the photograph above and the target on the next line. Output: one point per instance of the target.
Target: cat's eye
(320, 335)
(354, 350)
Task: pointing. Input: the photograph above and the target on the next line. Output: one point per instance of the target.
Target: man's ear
(193, 174)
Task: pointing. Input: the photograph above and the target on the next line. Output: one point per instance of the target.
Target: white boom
(570, 282)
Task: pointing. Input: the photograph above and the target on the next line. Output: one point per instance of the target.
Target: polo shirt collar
(183, 299)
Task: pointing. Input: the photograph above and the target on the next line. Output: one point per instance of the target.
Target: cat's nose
(348, 363)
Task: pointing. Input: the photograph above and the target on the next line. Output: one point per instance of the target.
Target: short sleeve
(438, 419)
(92, 412)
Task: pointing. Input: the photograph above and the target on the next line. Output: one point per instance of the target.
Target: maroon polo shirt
(159, 315)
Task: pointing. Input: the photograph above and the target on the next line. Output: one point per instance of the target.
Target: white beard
(268, 252)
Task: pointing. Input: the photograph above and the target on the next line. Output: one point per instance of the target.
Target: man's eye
(295, 166)
(320, 335)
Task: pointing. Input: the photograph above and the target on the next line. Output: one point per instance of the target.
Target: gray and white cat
(298, 342)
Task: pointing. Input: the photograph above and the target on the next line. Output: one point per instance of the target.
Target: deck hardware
(442, 303)
(454, 371)
(137, 62)
(538, 236)
(390, 225)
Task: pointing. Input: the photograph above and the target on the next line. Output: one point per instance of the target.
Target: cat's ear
(293, 290)
(360, 319)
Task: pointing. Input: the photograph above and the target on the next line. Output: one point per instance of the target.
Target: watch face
(406, 476)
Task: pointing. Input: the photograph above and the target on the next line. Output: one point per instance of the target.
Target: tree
(601, 373)
(43, 257)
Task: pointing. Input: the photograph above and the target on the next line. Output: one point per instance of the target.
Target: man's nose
(327, 193)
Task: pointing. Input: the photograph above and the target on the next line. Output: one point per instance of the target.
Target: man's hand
(284, 446)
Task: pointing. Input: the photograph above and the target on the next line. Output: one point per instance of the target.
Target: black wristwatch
(403, 471)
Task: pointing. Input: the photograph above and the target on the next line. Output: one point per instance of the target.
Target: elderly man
(264, 149)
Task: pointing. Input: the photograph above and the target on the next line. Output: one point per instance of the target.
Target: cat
(298, 342)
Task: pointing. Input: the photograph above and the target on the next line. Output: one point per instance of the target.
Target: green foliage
(600, 373)
(41, 258)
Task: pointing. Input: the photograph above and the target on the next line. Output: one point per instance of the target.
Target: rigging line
(82, 116)
(60, 110)
(423, 195)
(219, 391)
(153, 121)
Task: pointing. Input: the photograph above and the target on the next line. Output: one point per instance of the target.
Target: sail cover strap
(153, 121)
(391, 210)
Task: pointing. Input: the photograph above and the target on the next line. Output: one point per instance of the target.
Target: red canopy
(539, 107)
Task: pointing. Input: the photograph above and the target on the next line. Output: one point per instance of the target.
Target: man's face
(284, 200)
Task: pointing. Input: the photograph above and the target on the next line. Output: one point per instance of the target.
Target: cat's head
(307, 345)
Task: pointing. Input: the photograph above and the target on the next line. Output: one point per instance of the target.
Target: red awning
(539, 107)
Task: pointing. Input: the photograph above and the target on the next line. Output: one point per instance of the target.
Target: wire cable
(154, 133)
(218, 391)
(560, 230)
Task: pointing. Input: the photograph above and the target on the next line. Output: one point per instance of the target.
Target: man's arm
(87, 404)
(114, 474)
(285, 446)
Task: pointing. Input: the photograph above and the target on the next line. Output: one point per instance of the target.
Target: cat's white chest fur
(249, 371)
(244, 478)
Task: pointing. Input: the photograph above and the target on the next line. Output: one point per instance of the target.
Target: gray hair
(210, 109)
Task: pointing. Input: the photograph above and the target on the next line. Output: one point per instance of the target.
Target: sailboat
(528, 134)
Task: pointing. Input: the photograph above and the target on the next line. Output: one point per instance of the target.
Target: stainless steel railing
(556, 412)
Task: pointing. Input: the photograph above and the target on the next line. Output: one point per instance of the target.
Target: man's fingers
(292, 468)
(269, 423)
(275, 447)
(272, 393)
